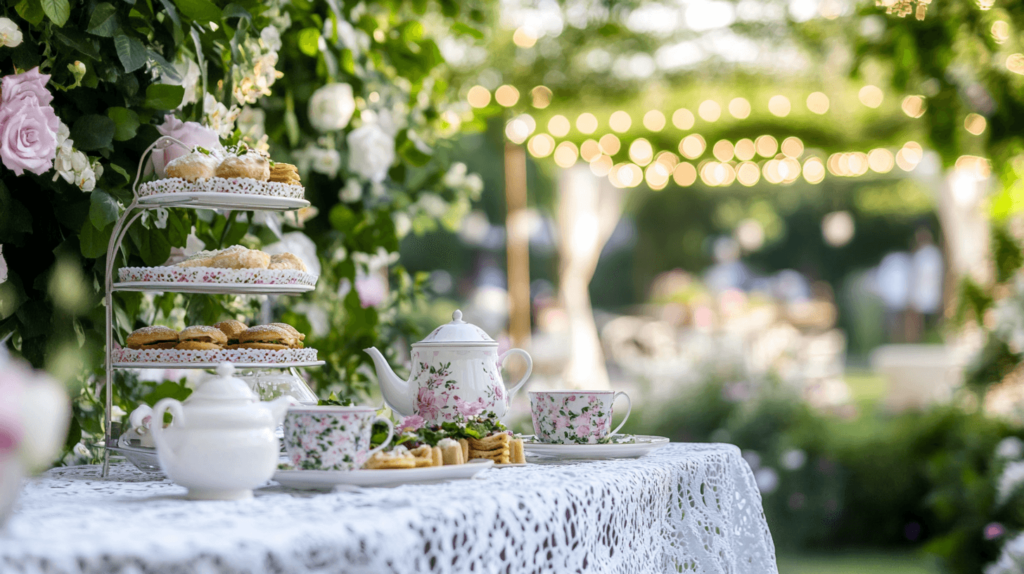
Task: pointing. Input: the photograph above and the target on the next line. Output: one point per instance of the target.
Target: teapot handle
(156, 426)
(387, 441)
(526, 376)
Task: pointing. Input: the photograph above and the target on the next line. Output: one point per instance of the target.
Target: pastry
(193, 166)
(518, 454)
(201, 338)
(400, 457)
(265, 337)
(451, 451)
(285, 173)
(200, 259)
(287, 261)
(155, 337)
(437, 456)
(251, 165)
(231, 329)
(424, 456)
(464, 445)
(238, 257)
(298, 336)
(495, 447)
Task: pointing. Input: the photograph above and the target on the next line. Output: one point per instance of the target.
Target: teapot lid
(223, 387)
(458, 332)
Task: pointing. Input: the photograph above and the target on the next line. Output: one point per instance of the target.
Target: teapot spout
(279, 407)
(396, 391)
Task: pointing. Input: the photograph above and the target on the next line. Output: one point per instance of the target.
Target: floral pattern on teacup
(576, 418)
(437, 398)
(328, 440)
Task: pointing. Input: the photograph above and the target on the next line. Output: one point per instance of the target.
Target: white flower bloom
(456, 175)
(403, 224)
(1009, 481)
(376, 261)
(3, 265)
(371, 152)
(352, 192)
(87, 180)
(161, 218)
(434, 205)
(326, 161)
(79, 161)
(218, 117)
(188, 76)
(319, 322)
(10, 35)
(474, 184)
(1010, 447)
(331, 107)
(97, 168)
(252, 121)
(271, 38)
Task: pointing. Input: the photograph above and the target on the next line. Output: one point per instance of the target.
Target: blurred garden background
(791, 225)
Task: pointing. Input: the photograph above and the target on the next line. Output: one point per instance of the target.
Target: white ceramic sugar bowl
(221, 444)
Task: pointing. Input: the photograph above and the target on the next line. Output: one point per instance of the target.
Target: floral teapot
(456, 373)
(221, 443)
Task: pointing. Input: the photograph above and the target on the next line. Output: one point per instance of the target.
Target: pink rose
(583, 430)
(411, 423)
(468, 409)
(191, 134)
(31, 83)
(28, 134)
(426, 403)
(561, 422)
(372, 289)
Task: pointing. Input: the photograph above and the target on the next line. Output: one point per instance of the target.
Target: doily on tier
(215, 275)
(229, 355)
(239, 185)
(686, 508)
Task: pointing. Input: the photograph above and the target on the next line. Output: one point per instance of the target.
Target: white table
(693, 507)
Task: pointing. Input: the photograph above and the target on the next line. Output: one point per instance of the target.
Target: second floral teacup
(330, 437)
(574, 417)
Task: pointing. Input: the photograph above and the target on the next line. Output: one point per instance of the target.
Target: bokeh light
(657, 176)
(880, 160)
(1000, 31)
(626, 175)
(814, 170)
(478, 97)
(1015, 63)
(871, 96)
(692, 146)
(792, 147)
(566, 154)
(837, 228)
(914, 106)
(975, 124)
(682, 119)
(559, 126)
(586, 123)
(641, 151)
(684, 174)
(541, 145)
(523, 38)
(541, 97)
(668, 159)
(601, 165)
(506, 96)
(739, 108)
(818, 103)
(620, 121)
(610, 144)
(766, 146)
(747, 173)
(654, 121)
(519, 128)
(779, 106)
(589, 150)
(709, 111)
(723, 150)
(745, 149)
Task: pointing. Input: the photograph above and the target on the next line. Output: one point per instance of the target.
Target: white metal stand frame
(130, 215)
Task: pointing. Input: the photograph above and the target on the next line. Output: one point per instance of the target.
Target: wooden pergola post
(518, 245)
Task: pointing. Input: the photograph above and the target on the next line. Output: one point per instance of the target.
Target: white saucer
(510, 465)
(642, 445)
(232, 288)
(325, 479)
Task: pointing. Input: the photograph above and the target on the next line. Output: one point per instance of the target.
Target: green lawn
(857, 563)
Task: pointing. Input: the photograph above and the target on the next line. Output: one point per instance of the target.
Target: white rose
(271, 38)
(326, 161)
(331, 107)
(371, 152)
(10, 35)
(352, 191)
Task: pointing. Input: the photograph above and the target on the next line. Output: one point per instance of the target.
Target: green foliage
(1006, 254)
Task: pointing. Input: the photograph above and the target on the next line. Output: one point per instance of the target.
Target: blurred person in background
(927, 272)
(892, 283)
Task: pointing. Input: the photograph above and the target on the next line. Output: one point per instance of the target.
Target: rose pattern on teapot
(437, 397)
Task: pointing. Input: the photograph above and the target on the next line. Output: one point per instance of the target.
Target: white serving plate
(218, 200)
(228, 288)
(133, 365)
(510, 465)
(643, 444)
(325, 479)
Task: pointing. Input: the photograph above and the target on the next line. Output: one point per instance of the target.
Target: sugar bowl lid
(458, 332)
(223, 388)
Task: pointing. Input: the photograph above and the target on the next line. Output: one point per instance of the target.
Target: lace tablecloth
(683, 508)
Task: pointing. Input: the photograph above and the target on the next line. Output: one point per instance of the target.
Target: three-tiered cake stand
(212, 194)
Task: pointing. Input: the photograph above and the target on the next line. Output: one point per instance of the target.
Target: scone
(399, 457)
(201, 338)
(287, 261)
(155, 337)
(231, 329)
(193, 166)
(285, 173)
(265, 337)
(251, 165)
(238, 257)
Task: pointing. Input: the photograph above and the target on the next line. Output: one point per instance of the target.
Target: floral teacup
(331, 438)
(574, 417)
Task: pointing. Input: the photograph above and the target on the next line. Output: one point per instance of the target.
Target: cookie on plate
(250, 165)
(400, 457)
(201, 338)
(287, 261)
(155, 337)
(193, 166)
(266, 337)
(231, 329)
